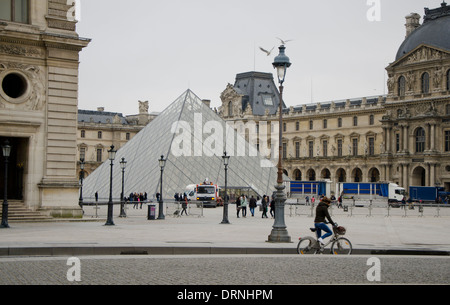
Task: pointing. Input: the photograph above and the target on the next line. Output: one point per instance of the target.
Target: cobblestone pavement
(225, 270)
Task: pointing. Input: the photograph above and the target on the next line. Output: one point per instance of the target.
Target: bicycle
(339, 245)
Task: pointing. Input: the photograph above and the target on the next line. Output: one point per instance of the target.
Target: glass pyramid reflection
(192, 138)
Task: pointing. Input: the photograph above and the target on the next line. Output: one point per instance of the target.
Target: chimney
(412, 23)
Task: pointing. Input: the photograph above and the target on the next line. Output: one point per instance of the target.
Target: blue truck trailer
(428, 194)
(391, 191)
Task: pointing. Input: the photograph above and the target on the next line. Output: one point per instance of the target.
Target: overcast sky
(155, 50)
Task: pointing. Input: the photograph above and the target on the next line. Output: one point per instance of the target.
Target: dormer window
(14, 10)
(267, 100)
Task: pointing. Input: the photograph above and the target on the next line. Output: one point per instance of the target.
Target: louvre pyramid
(160, 137)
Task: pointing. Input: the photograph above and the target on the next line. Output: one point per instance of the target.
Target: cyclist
(319, 221)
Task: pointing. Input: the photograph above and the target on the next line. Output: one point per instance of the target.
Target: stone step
(18, 212)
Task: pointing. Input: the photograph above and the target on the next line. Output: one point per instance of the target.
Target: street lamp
(6, 153)
(226, 160)
(123, 165)
(111, 156)
(279, 232)
(162, 164)
(82, 163)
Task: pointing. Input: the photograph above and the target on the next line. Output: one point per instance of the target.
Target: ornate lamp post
(82, 163)
(111, 155)
(279, 232)
(162, 164)
(226, 160)
(6, 153)
(123, 165)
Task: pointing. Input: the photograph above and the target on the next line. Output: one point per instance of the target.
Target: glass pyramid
(192, 138)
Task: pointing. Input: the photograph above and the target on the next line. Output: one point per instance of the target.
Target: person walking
(244, 204)
(184, 205)
(264, 206)
(272, 207)
(252, 206)
(238, 206)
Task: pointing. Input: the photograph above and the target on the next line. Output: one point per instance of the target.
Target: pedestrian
(96, 196)
(252, 206)
(264, 206)
(141, 199)
(307, 200)
(340, 202)
(244, 204)
(272, 207)
(135, 201)
(184, 205)
(238, 206)
(313, 200)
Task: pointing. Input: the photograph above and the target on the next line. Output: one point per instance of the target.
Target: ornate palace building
(403, 137)
(39, 61)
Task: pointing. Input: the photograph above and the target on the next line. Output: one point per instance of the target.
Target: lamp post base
(279, 232)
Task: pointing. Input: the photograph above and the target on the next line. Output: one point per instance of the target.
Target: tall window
(339, 122)
(297, 150)
(355, 121)
(371, 146)
(83, 133)
(448, 80)
(14, 10)
(325, 148)
(371, 119)
(401, 86)
(230, 109)
(447, 141)
(99, 154)
(420, 140)
(325, 124)
(355, 147)
(311, 125)
(99, 135)
(425, 83)
(397, 142)
(284, 151)
(311, 149)
(297, 126)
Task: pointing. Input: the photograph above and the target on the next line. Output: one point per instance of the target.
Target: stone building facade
(98, 130)
(39, 62)
(403, 137)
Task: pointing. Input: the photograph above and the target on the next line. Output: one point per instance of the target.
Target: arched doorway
(341, 175)
(325, 174)
(357, 175)
(311, 175)
(297, 175)
(374, 175)
(418, 176)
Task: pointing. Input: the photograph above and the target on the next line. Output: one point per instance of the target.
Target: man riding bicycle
(319, 221)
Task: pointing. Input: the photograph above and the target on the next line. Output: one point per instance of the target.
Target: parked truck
(311, 188)
(390, 191)
(206, 193)
(428, 194)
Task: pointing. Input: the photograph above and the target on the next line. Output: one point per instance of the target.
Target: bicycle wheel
(306, 246)
(342, 246)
